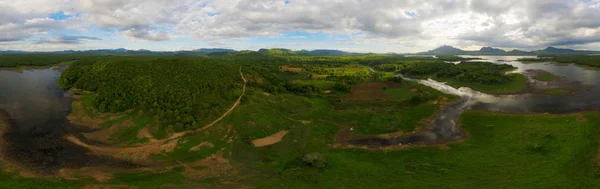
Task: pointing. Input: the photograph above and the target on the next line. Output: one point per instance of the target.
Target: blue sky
(352, 25)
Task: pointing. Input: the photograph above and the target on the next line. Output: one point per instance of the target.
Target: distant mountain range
(443, 50)
(449, 50)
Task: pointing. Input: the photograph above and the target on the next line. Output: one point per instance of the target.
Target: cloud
(410, 25)
(67, 40)
(147, 34)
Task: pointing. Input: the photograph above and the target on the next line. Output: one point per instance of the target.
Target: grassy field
(517, 85)
(557, 91)
(504, 151)
(544, 77)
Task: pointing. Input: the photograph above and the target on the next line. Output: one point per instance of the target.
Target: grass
(557, 91)
(504, 151)
(544, 77)
(149, 180)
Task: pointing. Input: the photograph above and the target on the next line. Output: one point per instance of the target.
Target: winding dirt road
(157, 146)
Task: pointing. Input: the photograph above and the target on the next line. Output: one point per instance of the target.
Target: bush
(315, 160)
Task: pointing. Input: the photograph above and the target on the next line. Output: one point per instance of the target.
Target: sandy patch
(291, 69)
(267, 94)
(305, 121)
(144, 133)
(270, 140)
(203, 144)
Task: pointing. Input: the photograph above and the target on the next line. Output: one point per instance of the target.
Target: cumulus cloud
(411, 25)
(64, 39)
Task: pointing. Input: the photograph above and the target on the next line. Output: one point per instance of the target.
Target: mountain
(327, 52)
(276, 51)
(553, 50)
(213, 50)
(449, 50)
(444, 50)
(491, 50)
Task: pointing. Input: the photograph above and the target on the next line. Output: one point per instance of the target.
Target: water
(443, 128)
(37, 109)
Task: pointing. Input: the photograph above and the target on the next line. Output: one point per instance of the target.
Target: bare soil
(270, 140)
(291, 69)
(370, 91)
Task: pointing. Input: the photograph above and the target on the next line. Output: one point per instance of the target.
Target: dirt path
(157, 146)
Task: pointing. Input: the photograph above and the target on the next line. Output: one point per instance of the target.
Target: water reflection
(37, 109)
(443, 127)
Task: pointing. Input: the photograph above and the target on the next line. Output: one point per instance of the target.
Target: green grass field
(504, 151)
(544, 77)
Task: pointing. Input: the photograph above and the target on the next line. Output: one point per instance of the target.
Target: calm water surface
(37, 109)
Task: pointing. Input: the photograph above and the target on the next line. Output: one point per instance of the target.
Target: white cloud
(410, 25)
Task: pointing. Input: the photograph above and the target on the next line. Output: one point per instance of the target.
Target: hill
(449, 50)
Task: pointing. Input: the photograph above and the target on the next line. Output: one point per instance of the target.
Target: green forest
(181, 91)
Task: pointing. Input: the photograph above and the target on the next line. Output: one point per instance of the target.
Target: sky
(379, 26)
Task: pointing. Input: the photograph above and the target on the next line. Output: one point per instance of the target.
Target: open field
(506, 150)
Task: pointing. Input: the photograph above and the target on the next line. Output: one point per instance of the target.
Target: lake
(37, 109)
(443, 127)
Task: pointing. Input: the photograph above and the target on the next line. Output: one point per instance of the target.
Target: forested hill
(185, 93)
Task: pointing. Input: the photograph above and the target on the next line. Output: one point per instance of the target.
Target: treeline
(16, 60)
(185, 93)
(476, 72)
(584, 60)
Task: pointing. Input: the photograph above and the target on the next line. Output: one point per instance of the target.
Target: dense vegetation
(37, 60)
(476, 72)
(583, 60)
(180, 91)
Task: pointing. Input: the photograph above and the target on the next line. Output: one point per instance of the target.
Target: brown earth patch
(214, 164)
(305, 121)
(103, 135)
(345, 69)
(580, 118)
(98, 173)
(291, 69)
(270, 140)
(145, 133)
(203, 144)
(267, 94)
(370, 91)
(444, 147)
